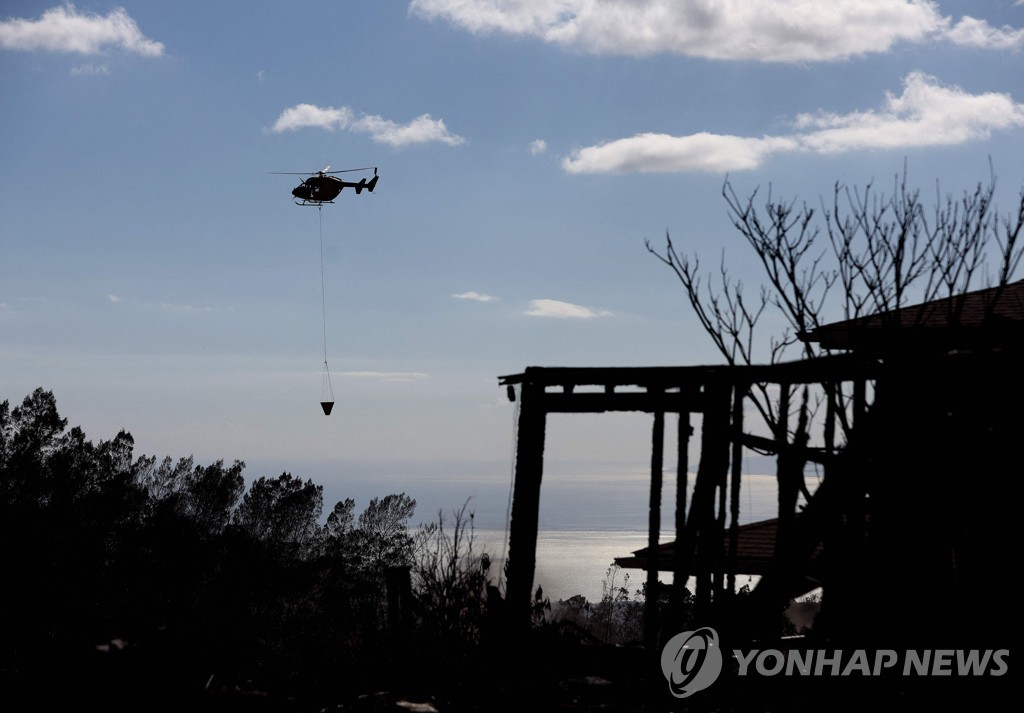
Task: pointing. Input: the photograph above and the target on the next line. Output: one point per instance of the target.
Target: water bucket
(327, 406)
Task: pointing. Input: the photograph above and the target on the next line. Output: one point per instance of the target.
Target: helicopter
(323, 186)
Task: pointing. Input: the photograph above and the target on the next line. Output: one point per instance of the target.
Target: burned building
(912, 418)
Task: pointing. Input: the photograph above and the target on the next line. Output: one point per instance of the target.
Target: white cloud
(304, 116)
(386, 375)
(927, 113)
(261, 75)
(64, 29)
(972, 32)
(557, 308)
(474, 296)
(661, 153)
(114, 298)
(422, 129)
(90, 70)
(761, 30)
(538, 147)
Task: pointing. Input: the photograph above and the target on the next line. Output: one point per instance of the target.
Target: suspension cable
(323, 284)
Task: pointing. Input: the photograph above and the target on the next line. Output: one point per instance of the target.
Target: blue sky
(157, 276)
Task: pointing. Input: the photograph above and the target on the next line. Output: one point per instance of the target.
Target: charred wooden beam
(842, 367)
(590, 402)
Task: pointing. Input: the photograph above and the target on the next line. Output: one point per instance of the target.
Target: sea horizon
(590, 511)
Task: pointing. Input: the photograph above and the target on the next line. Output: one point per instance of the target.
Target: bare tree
(863, 252)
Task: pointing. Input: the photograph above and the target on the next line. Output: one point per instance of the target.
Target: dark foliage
(128, 577)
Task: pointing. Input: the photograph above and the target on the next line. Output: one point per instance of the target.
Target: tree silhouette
(134, 577)
(384, 531)
(284, 510)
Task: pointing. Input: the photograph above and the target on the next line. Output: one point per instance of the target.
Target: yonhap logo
(691, 661)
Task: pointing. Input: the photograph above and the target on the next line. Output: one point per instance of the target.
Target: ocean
(571, 562)
(591, 514)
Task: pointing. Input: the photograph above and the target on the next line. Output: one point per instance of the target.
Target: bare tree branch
(882, 251)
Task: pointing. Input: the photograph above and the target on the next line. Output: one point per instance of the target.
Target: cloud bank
(927, 113)
(64, 29)
(757, 30)
(423, 129)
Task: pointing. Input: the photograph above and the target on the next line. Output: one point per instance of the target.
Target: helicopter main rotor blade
(324, 172)
(349, 170)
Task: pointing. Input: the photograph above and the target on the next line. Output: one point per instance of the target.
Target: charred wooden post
(787, 493)
(859, 400)
(711, 473)
(829, 434)
(718, 563)
(739, 393)
(680, 560)
(792, 458)
(653, 533)
(522, 552)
